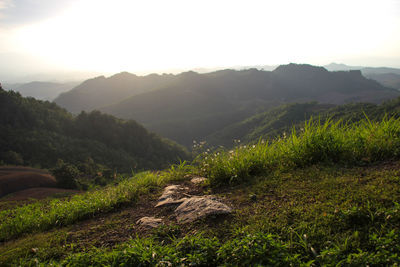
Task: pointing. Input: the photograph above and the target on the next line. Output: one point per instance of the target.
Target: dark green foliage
(256, 249)
(66, 175)
(374, 242)
(40, 132)
(250, 250)
(266, 125)
(12, 158)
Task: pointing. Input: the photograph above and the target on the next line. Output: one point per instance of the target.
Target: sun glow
(136, 36)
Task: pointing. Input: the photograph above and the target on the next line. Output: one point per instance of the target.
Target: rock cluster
(188, 209)
(168, 197)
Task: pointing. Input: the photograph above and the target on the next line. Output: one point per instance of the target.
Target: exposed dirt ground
(13, 179)
(106, 230)
(9, 169)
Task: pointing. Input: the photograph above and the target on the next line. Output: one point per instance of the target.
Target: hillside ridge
(38, 133)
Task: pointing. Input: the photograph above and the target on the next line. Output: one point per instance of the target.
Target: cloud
(19, 12)
(5, 4)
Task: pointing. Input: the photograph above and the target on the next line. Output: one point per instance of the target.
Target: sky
(110, 36)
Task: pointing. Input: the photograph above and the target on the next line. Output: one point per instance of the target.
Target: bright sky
(155, 35)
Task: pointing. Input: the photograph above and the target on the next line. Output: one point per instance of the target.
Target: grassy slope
(275, 122)
(326, 196)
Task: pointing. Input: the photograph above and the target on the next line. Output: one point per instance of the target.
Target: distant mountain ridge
(41, 90)
(391, 80)
(101, 91)
(364, 70)
(190, 106)
(389, 77)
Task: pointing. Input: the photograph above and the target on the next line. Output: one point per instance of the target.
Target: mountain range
(191, 106)
(41, 90)
(389, 77)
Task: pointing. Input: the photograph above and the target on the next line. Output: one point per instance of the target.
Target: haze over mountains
(44, 89)
(389, 77)
(41, 90)
(191, 106)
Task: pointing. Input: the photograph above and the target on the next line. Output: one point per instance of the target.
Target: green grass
(347, 216)
(41, 216)
(327, 196)
(331, 142)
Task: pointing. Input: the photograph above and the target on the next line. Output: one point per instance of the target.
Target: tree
(13, 158)
(66, 174)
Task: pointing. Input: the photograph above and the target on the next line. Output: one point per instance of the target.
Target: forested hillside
(273, 123)
(191, 106)
(38, 133)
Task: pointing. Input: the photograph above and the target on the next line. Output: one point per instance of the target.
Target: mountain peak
(123, 75)
(293, 68)
(189, 73)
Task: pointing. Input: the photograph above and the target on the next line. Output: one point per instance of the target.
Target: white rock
(199, 207)
(149, 222)
(170, 191)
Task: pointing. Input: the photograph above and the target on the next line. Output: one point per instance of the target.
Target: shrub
(66, 175)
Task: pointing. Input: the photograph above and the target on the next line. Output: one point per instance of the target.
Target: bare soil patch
(4, 170)
(13, 179)
(38, 193)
